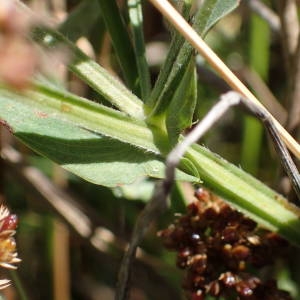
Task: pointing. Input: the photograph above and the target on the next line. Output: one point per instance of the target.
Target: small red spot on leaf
(41, 114)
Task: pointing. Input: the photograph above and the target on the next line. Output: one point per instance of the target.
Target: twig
(159, 200)
(218, 65)
(285, 158)
(207, 76)
(265, 94)
(266, 13)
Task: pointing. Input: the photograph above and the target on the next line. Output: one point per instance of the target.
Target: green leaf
(92, 73)
(175, 46)
(210, 12)
(81, 20)
(136, 21)
(87, 114)
(141, 190)
(121, 41)
(184, 101)
(56, 134)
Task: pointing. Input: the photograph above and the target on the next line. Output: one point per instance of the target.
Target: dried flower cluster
(18, 57)
(218, 246)
(8, 254)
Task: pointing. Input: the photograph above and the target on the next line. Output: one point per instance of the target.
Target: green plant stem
(136, 20)
(121, 42)
(255, 200)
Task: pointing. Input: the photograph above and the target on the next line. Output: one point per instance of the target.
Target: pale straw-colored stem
(218, 65)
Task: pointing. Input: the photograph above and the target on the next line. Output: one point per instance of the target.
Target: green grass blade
(121, 42)
(136, 20)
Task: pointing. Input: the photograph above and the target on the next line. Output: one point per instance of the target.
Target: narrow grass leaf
(121, 42)
(184, 101)
(92, 73)
(136, 20)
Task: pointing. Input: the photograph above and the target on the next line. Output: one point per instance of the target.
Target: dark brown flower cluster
(218, 246)
(8, 252)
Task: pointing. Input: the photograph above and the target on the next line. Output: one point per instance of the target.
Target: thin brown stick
(264, 93)
(218, 65)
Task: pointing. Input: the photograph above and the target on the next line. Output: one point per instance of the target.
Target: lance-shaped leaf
(121, 41)
(208, 15)
(92, 73)
(184, 101)
(136, 22)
